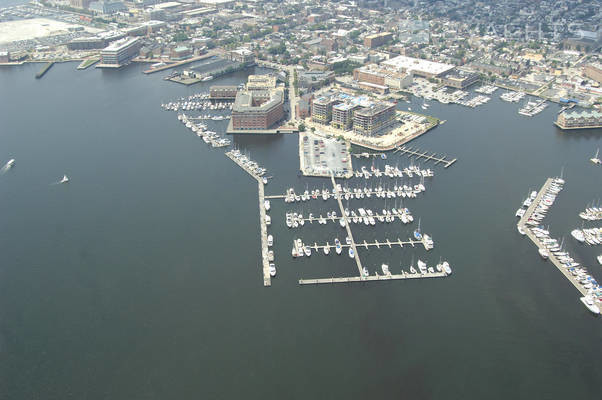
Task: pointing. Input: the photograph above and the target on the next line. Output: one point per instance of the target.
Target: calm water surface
(140, 279)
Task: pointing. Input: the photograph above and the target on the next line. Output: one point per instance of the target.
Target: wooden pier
(552, 258)
(244, 167)
(372, 278)
(419, 154)
(355, 253)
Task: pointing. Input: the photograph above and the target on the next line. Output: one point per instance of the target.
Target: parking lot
(320, 156)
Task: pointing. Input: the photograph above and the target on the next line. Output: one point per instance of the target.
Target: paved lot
(320, 156)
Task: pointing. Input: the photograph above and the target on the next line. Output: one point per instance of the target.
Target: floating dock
(426, 156)
(552, 258)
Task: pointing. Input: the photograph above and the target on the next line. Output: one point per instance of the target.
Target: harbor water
(141, 277)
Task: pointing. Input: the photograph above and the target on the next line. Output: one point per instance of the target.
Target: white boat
(599, 258)
(422, 266)
(595, 159)
(307, 251)
(520, 212)
(207, 78)
(270, 255)
(270, 240)
(365, 271)
(9, 164)
(268, 220)
(266, 205)
(342, 222)
(544, 253)
(272, 270)
(64, 180)
(578, 235)
(351, 253)
(521, 230)
(385, 269)
(294, 253)
(327, 249)
(589, 303)
(446, 268)
(338, 247)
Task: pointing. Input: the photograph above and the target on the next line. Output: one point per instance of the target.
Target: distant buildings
(579, 119)
(460, 79)
(242, 55)
(377, 39)
(418, 66)
(107, 6)
(377, 75)
(315, 79)
(261, 82)
(121, 52)
(80, 3)
(594, 72)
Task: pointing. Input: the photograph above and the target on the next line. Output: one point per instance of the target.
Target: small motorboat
(64, 180)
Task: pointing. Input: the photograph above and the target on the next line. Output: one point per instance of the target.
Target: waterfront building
(374, 120)
(377, 39)
(257, 109)
(579, 119)
(180, 53)
(4, 56)
(417, 66)
(382, 77)
(120, 52)
(223, 92)
(342, 115)
(460, 79)
(242, 55)
(321, 109)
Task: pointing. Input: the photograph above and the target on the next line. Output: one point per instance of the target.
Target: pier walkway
(372, 278)
(267, 279)
(552, 258)
(425, 155)
(376, 243)
(355, 253)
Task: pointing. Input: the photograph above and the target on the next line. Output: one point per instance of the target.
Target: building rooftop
(244, 100)
(416, 64)
(374, 109)
(583, 114)
(121, 44)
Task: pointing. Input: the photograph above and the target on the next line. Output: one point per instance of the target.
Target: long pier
(44, 69)
(552, 258)
(425, 155)
(334, 219)
(267, 279)
(386, 243)
(372, 278)
(351, 194)
(355, 253)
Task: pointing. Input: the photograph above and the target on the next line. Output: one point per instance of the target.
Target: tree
(301, 127)
(180, 37)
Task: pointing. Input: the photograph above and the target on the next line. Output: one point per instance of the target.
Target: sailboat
(595, 159)
(417, 234)
(412, 269)
(64, 180)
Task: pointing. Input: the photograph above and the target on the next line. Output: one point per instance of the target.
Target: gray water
(141, 277)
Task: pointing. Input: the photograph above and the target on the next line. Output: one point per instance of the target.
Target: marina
(550, 249)
(366, 245)
(425, 156)
(251, 167)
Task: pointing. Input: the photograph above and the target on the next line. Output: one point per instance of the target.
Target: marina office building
(120, 52)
